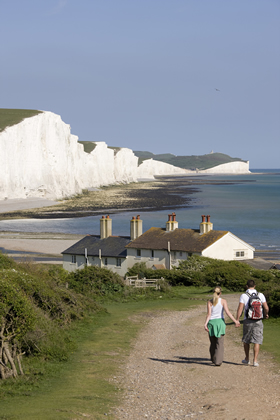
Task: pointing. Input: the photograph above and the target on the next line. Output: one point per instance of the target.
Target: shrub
(96, 281)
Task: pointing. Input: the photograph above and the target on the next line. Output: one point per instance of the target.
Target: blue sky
(143, 74)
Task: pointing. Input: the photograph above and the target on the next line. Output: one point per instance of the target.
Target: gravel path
(169, 375)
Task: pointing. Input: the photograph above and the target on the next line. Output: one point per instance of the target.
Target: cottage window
(105, 261)
(138, 252)
(119, 262)
(152, 253)
(240, 254)
(181, 253)
(73, 259)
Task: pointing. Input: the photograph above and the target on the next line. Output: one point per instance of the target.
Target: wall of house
(227, 248)
(160, 257)
(81, 263)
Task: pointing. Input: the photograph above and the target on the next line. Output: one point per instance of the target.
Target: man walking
(252, 328)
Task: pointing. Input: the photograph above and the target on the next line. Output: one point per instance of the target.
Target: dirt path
(169, 374)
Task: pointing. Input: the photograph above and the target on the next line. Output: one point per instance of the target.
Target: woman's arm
(208, 315)
(229, 314)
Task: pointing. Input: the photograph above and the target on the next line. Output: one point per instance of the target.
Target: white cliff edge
(41, 158)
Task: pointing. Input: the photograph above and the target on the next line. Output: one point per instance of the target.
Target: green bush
(96, 281)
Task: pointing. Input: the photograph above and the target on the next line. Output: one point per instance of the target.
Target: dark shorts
(252, 331)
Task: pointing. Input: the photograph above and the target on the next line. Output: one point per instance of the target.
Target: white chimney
(136, 227)
(205, 227)
(171, 224)
(105, 227)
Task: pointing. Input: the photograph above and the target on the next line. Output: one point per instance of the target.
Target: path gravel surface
(169, 375)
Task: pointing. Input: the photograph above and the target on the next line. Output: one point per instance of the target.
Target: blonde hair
(216, 295)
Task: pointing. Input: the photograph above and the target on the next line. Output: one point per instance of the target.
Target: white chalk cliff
(41, 158)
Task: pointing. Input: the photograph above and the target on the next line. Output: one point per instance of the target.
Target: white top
(245, 299)
(217, 311)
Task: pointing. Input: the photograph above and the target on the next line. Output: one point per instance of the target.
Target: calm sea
(249, 207)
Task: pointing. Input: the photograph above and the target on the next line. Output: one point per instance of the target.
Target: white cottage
(170, 245)
(158, 247)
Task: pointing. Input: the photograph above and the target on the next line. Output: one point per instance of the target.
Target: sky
(166, 76)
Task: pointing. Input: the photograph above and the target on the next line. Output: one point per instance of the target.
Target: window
(119, 262)
(105, 261)
(138, 252)
(189, 254)
(181, 253)
(152, 253)
(73, 259)
(239, 254)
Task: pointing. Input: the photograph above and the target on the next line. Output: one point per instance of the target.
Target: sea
(246, 205)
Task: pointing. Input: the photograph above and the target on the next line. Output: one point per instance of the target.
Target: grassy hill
(9, 117)
(189, 162)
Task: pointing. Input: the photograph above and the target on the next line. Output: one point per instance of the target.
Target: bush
(95, 281)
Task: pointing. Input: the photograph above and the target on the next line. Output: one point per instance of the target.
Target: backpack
(255, 308)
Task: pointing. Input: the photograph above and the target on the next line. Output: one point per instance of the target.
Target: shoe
(245, 362)
(256, 364)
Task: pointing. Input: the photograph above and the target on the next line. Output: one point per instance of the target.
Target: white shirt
(245, 299)
(217, 311)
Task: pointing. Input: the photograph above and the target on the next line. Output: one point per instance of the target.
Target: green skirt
(217, 327)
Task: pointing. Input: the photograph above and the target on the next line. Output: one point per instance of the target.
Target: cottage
(157, 247)
(104, 251)
(170, 245)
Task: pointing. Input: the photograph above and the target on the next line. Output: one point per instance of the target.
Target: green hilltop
(189, 162)
(9, 117)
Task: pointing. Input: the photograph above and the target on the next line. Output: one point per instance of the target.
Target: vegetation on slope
(189, 162)
(10, 117)
(38, 304)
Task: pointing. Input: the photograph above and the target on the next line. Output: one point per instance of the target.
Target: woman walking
(215, 325)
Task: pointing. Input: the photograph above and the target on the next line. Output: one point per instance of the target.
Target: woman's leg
(212, 347)
(219, 351)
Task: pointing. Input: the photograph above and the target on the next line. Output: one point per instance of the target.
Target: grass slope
(10, 117)
(189, 162)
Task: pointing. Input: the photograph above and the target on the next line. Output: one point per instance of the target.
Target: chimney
(209, 224)
(171, 224)
(202, 226)
(105, 227)
(205, 227)
(136, 227)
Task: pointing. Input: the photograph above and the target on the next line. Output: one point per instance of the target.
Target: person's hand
(267, 316)
(237, 324)
(206, 328)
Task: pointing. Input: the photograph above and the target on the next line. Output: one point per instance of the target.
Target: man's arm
(239, 310)
(266, 309)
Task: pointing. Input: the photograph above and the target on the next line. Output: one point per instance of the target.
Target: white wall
(226, 248)
(81, 263)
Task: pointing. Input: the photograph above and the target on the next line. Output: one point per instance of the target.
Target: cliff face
(41, 158)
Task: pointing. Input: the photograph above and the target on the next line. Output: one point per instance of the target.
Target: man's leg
(247, 351)
(256, 352)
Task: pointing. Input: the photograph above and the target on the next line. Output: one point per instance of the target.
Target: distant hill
(10, 117)
(189, 162)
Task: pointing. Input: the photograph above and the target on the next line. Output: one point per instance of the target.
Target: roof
(189, 240)
(262, 264)
(159, 266)
(113, 246)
